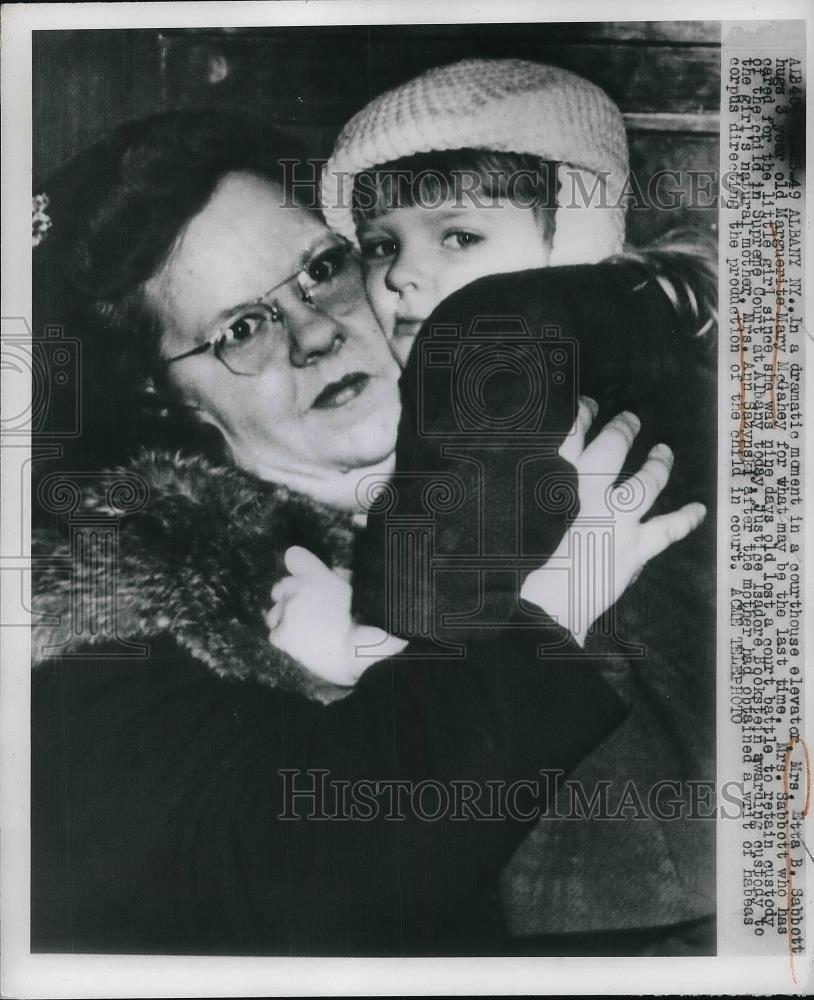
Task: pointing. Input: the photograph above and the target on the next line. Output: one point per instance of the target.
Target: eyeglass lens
(331, 283)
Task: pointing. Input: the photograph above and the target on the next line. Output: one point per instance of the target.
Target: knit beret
(506, 105)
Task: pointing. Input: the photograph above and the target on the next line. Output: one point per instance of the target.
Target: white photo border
(24, 974)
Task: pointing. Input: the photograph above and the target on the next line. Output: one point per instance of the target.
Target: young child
(489, 167)
(482, 168)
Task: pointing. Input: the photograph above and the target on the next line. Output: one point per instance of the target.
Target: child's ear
(546, 224)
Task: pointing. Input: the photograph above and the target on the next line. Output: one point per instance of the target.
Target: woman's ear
(209, 436)
(183, 423)
(171, 399)
(152, 400)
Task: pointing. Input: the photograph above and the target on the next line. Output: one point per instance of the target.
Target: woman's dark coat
(166, 732)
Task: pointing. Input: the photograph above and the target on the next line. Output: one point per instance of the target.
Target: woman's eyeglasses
(330, 282)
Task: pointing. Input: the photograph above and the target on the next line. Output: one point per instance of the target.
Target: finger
(654, 475)
(274, 615)
(661, 532)
(574, 444)
(592, 406)
(300, 561)
(285, 588)
(376, 643)
(606, 454)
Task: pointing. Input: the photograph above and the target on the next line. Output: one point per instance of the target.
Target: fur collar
(178, 546)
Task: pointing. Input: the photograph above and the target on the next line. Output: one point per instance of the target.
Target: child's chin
(402, 341)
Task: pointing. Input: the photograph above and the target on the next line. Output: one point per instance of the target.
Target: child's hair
(554, 135)
(685, 263)
(428, 179)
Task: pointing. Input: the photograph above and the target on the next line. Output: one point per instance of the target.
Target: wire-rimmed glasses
(330, 281)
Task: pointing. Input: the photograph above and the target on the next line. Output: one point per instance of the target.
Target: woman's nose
(312, 334)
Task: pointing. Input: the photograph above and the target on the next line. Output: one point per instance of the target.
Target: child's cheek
(383, 302)
(400, 346)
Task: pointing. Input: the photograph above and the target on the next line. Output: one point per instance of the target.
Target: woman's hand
(607, 546)
(310, 620)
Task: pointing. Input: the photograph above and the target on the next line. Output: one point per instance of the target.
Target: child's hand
(607, 546)
(574, 444)
(310, 620)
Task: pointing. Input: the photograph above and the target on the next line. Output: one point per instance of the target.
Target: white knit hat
(507, 105)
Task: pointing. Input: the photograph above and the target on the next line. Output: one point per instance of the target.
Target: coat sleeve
(173, 810)
(617, 320)
(489, 392)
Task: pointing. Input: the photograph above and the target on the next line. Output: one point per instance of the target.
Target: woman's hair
(116, 211)
(427, 179)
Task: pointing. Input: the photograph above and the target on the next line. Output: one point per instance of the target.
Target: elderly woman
(194, 789)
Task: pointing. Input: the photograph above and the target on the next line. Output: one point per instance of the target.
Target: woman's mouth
(339, 393)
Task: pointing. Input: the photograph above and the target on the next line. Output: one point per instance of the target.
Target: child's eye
(460, 239)
(379, 249)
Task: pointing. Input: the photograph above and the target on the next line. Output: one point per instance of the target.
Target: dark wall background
(665, 76)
